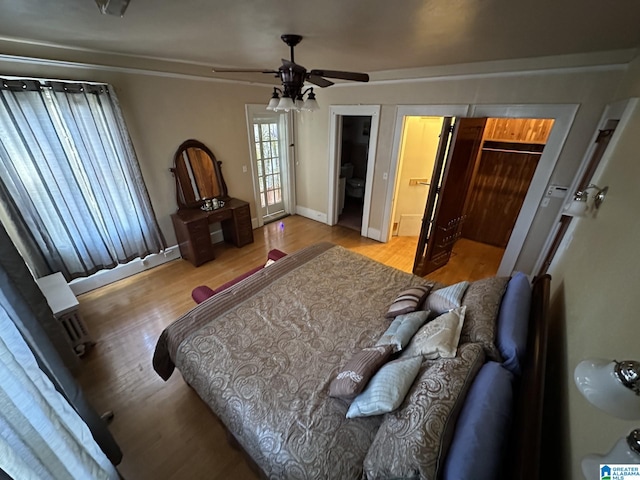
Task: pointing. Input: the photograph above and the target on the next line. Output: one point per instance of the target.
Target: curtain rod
(17, 84)
(40, 79)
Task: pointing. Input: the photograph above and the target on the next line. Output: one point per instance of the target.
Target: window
(70, 180)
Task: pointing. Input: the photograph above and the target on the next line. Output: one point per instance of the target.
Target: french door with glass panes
(268, 132)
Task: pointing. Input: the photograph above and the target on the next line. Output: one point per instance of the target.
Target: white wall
(594, 303)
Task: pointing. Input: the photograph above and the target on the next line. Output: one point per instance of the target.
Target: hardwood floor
(163, 428)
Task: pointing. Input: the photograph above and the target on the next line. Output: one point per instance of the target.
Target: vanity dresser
(202, 200)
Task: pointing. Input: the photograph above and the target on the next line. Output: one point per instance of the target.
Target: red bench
(201, 293)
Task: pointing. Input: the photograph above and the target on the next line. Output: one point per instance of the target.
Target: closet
(511, 149)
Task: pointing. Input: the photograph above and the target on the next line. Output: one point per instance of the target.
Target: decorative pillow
(413, 441)
(353, 377)
(447, 298)
(478, 445)
(483, 299)
(408, 301)
(513, 322)
(439, 337)
(402, 329)
(386, 389)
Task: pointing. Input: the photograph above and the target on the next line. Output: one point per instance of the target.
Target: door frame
(401, 112)
(563, 114)
(336, 112)
(287, 171)
(621, 111)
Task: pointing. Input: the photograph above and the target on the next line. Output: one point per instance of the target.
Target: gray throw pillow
(402, 329)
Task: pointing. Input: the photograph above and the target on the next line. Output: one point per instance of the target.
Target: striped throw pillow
(353, 377)
(408, 301)
(387, 389)
(445, 299)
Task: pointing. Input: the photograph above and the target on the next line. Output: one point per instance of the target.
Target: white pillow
(438, 338)
(445, 299)
(402, 329)
(386, 389)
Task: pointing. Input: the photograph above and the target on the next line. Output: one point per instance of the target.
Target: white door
(268, 132)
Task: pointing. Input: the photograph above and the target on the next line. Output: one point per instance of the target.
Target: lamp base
(621, 453)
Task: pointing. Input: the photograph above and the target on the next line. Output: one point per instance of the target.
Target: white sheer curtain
(41, 436)
(70, 178)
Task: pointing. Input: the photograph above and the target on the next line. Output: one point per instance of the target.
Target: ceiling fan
(293, 76)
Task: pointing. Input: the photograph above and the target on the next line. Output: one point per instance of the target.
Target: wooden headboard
(526, 436)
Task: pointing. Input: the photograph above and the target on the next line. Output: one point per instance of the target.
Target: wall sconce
(611, 386)
(584, 203)
(614, 387)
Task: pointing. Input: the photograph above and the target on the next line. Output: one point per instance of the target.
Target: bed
(265, 353)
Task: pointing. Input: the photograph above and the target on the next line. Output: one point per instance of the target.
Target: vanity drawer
(219, 215)
(193, 238)
(238, 229)
(199, 230)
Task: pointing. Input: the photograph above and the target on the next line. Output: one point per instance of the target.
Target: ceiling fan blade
(242, 70)
(353, 76)
(319, 81)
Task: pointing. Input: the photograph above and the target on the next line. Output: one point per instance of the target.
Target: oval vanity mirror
(198, 175)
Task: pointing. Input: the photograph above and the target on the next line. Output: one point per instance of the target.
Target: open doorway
(354, 156)
(460, 187)
(359, 123)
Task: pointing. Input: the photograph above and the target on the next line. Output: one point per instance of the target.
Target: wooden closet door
(497, 194)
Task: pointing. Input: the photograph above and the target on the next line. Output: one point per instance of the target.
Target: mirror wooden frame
(197, 173)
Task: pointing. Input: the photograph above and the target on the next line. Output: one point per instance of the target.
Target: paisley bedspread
(263, 353)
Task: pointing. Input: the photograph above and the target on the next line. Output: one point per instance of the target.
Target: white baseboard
(312, 214)
(105, 277)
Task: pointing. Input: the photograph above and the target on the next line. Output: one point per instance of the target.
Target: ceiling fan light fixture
(310, 104)
(293, 77)
(275, 100)
(113, 7)
(285, 104)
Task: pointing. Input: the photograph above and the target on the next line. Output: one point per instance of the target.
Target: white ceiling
(355, 35)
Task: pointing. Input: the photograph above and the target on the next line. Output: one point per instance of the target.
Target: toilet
(355, 187)
(346, 170)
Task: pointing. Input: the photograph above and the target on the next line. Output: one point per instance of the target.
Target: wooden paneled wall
(522, 130)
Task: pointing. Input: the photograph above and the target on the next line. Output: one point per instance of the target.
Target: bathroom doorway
(354, 155)
(353, 141)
